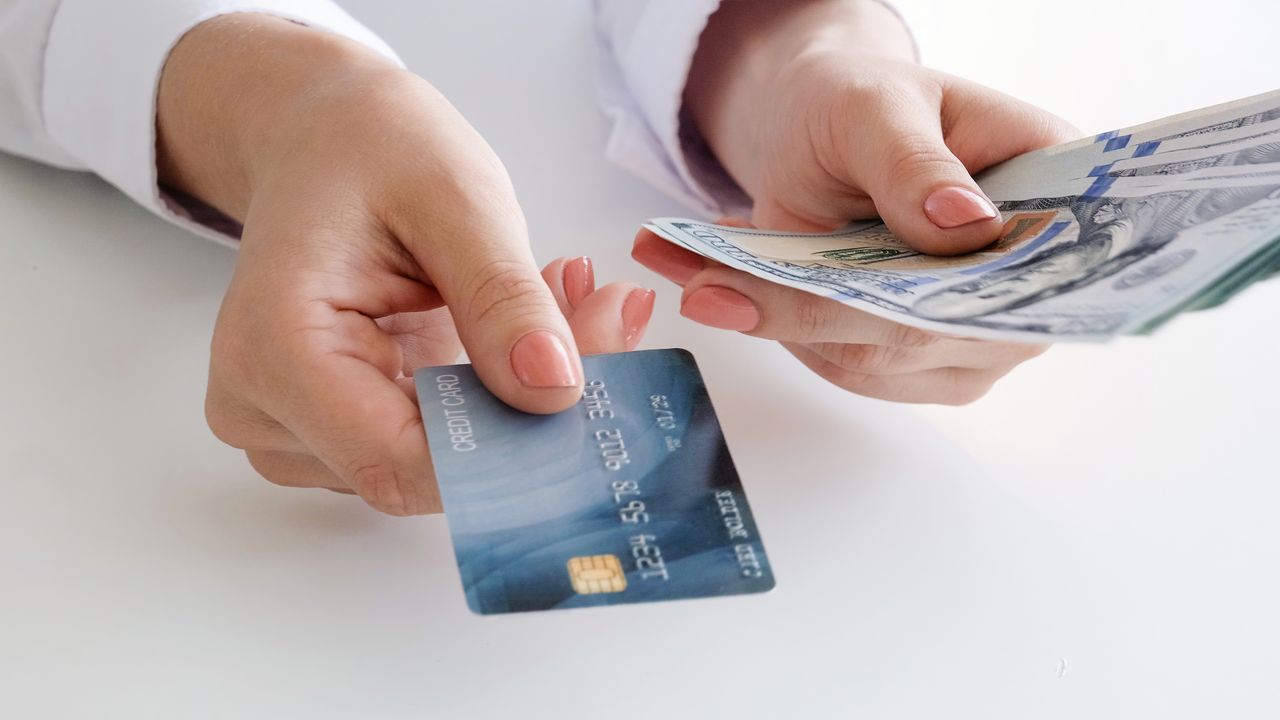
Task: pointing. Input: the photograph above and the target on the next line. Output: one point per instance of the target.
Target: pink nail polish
(579, 280)
(541, 359)
(721, 308)
(636, 311)
(678, 266)
(951, 207)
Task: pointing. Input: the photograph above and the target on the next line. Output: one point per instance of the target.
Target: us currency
(1250, 121)
(1256, 151)
(1089, 251)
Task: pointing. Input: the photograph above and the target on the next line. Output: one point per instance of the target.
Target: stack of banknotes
(1109, 235)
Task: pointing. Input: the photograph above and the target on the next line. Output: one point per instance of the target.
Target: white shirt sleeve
(78, 81)
(646, 49)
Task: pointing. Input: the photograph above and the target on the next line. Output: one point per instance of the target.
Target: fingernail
(636, 311)
(721, 308)
(951, 207)
(579, 280)
(542, 360)
(670, 262)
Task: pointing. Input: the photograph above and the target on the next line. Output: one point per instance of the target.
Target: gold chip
(592, 574)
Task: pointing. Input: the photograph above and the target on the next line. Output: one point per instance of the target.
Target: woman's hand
(820, 113)
(381, 234)
(854, 350)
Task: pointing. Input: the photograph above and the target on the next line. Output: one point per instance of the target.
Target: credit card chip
(593, 574)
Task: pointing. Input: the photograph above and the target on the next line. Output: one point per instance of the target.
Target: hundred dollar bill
(1251, 119)
(1252, 151)
(1081, 258)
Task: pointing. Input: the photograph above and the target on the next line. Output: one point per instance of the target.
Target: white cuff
(102, 71)
(646, 50)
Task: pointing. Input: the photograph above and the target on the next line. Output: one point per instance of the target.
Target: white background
(1097, 538)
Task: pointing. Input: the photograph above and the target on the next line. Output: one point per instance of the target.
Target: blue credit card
(630, 496)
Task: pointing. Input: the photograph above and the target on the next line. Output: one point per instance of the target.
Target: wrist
(236, 93)
(751, 49)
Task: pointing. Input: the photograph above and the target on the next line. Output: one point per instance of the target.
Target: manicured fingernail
(669, 261)
(951, 207)
(636, 311)
(721, 308)
(579, 280)
(542, 360)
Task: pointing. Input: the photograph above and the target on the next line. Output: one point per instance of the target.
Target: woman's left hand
(854, 350)
(819, 111)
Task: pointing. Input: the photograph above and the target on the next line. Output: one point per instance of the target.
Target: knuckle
(869, 359)
(231, 421)
(241, 425)
(261, 463)
(355, 335)
(379, 484)
(814, 318)
(906, 336)
(220, 422)
(306, 345)
(378, 478)
(845, 378)
(505, 288)
(913, 158)
(258, 461)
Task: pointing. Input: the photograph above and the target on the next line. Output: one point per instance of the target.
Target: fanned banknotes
(1109, 235)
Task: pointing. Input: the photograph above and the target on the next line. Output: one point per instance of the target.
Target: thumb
(513, 331)
(921, 190)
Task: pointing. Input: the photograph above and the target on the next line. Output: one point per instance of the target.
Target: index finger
(340, 401)
(671, 262)
(730, 299)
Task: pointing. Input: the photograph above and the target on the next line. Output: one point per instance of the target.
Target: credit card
(629, 496)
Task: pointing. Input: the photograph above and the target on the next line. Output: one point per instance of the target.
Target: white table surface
(1096, 538)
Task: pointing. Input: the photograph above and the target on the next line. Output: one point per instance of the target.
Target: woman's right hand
(381, 234)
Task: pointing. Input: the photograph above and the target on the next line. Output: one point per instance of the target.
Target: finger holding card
(608, 319)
